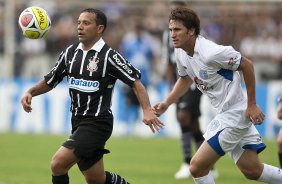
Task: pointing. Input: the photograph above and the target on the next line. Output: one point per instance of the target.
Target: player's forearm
(249, 78)
(171, 75)
(180, 88)
(141, 95)
(40, 88)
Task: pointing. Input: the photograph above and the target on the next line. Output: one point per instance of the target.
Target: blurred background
(252, 27)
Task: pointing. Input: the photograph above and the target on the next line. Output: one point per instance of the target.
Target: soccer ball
(34, 22)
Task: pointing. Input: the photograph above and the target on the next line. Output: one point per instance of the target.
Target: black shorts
(88, 140)
(190, 101)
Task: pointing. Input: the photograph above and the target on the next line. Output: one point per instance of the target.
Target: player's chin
(175, 45)
(80, 39)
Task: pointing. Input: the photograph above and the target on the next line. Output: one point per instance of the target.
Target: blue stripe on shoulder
(227, 74)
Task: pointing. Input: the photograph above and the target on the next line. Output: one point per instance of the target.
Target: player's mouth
(80, 34)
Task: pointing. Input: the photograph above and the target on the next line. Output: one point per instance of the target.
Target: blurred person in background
(279, 139)
(215, 70)
(1, 28)
(92, 69)
(187, 107)
(137, 47)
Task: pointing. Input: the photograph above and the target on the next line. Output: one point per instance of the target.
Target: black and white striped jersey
(91, 77)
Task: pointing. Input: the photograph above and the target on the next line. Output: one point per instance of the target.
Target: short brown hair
(188, 17)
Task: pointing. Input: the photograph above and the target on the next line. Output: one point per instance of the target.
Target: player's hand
(26, 102)
(255, 115)
(160, 108)
(152, 121)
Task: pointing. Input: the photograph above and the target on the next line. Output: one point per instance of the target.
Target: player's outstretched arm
(149, 117)
(40, 88)
(180, 88)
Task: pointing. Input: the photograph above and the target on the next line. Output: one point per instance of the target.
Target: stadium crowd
(255, 28)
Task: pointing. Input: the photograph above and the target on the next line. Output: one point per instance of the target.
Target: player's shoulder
(71, 48)
(113, 53)
(115, 56)
(206, 46)
(208, 49)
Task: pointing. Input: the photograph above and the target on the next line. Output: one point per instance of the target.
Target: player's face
(181, 37)
(88, 31)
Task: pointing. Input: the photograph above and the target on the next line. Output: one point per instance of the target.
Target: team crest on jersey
(92, 65)
(203, 74)
(214, 125)
(231, 62)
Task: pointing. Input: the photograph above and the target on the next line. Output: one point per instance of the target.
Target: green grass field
(25, 159)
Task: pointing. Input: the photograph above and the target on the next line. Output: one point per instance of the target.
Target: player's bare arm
(149, 117)
(40, 88)
(180, 88)
(279, 112)
(253, 111)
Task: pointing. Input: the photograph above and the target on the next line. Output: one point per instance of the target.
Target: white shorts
(231, 132)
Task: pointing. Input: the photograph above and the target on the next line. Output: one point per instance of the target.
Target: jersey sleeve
(121, 69)
(227, 57)
(58, 72)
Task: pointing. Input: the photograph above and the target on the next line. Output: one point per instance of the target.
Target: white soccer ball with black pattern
(34, 22)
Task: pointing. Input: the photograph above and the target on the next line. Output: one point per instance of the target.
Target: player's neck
(190, 47)
(87, 45)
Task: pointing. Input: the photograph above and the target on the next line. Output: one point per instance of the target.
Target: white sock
(208, 179)
(271, 175)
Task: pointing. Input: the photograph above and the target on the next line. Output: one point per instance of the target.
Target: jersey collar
(97, 46)
(197, 45)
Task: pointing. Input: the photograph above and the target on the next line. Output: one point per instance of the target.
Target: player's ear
(101, 28)
(191, 31)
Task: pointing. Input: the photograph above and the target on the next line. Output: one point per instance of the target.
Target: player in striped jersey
(214, 69)
(91, 68)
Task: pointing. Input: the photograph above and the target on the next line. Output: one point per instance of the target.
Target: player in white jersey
(215, 71)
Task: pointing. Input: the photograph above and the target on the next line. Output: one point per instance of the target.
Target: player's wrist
(167, 102)
(251, 104)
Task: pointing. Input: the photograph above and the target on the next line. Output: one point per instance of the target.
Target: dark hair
(101, 18)
(188, 17)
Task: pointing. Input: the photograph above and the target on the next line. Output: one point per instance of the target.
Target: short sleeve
(58, 72)
(227, 57)
(121, 69)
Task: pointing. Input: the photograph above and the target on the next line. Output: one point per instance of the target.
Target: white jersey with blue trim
(213, 68)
